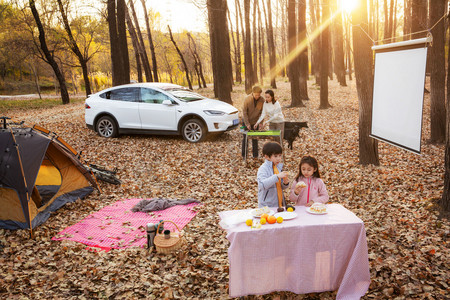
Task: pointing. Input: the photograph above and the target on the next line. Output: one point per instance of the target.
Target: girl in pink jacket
(307, 187)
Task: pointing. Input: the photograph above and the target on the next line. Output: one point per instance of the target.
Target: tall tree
(248, 66)
(261, 46)
(324, 50)
(83, 60)
(118, 40)
(386, 20)
(363, 58)
(143, 52)
(391, 19)
(186, 69)
(419, 10)
(197, 59)
(150, 42)
(437, 68)
(406, 18)
(48, 56)
(238, 44)
(136, 46)
(293, 70)
(220, 49)
(315, 44)
(338, 47)
(303, 56)
(270, 44)
(255, 38)
(236, 67)
(445, 200)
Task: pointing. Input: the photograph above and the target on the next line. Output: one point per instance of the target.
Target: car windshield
(185, 95)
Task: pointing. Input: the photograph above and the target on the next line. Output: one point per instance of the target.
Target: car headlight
(214, 112)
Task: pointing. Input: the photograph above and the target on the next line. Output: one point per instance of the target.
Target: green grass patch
(34, 103)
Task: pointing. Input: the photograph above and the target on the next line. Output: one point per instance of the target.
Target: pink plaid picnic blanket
(116, 226)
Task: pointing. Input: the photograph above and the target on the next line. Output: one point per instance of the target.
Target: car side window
(130, 94)
(152, 96)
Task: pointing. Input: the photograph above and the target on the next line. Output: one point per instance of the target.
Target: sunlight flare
(348, 5)
(302, 45)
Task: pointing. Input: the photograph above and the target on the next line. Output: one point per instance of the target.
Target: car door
(123, 104)
(154, 114)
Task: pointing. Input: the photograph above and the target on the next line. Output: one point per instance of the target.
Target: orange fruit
(271, 220)
(279, 220)
(263, 221)
(264, 216)
(249, 222)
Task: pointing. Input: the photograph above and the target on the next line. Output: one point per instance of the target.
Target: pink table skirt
(311, 253)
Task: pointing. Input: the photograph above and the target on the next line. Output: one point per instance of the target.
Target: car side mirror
(167, 102)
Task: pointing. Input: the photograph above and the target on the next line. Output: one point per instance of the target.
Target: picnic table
(260, 134)
(307, 254)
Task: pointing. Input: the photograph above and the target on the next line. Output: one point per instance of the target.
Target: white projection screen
(398, 93)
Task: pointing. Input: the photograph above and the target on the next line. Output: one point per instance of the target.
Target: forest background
(55, 43)
(55, 48)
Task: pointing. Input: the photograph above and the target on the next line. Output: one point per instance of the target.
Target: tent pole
(24, 180)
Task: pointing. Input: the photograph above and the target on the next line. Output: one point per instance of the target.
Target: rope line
(428, 31)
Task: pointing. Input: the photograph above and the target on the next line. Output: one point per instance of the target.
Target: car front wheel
(106, 127)
(193, 131)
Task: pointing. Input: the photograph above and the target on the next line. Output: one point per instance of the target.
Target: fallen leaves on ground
(408, 242)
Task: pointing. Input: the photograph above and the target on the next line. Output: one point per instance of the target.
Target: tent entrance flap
(48, 174)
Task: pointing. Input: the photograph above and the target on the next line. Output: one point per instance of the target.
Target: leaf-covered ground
(408, 242)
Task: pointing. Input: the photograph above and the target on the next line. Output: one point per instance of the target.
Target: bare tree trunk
(270, 44)
(234, 43)
(394, 27)
(348, 45)
(386, 20)
(363, 56)
(36, 80)
(238, 44)
(406, 19)
(186, 70)
(261, 47)
(391, 19)
(123, 43)
(296, 100)
(197, 62)
(315, 49)
(255, 47)
(339, 66)
(419, 9)
(445, 200)
(377, 34)
(136, 46)
(74, 47)
(143, 52)
(371, 17)
(48, 56)
(437, 68)
(303, 56)
(220, 49)
(248, 50)
(283, 34)
(150, 42)
(324, 49)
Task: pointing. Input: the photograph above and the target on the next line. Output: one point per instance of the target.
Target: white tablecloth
(311, 253)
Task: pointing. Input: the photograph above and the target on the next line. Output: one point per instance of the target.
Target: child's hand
(283, 175)
(309, 203)
(298, 189)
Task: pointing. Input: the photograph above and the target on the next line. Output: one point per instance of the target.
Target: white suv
(157, 108)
